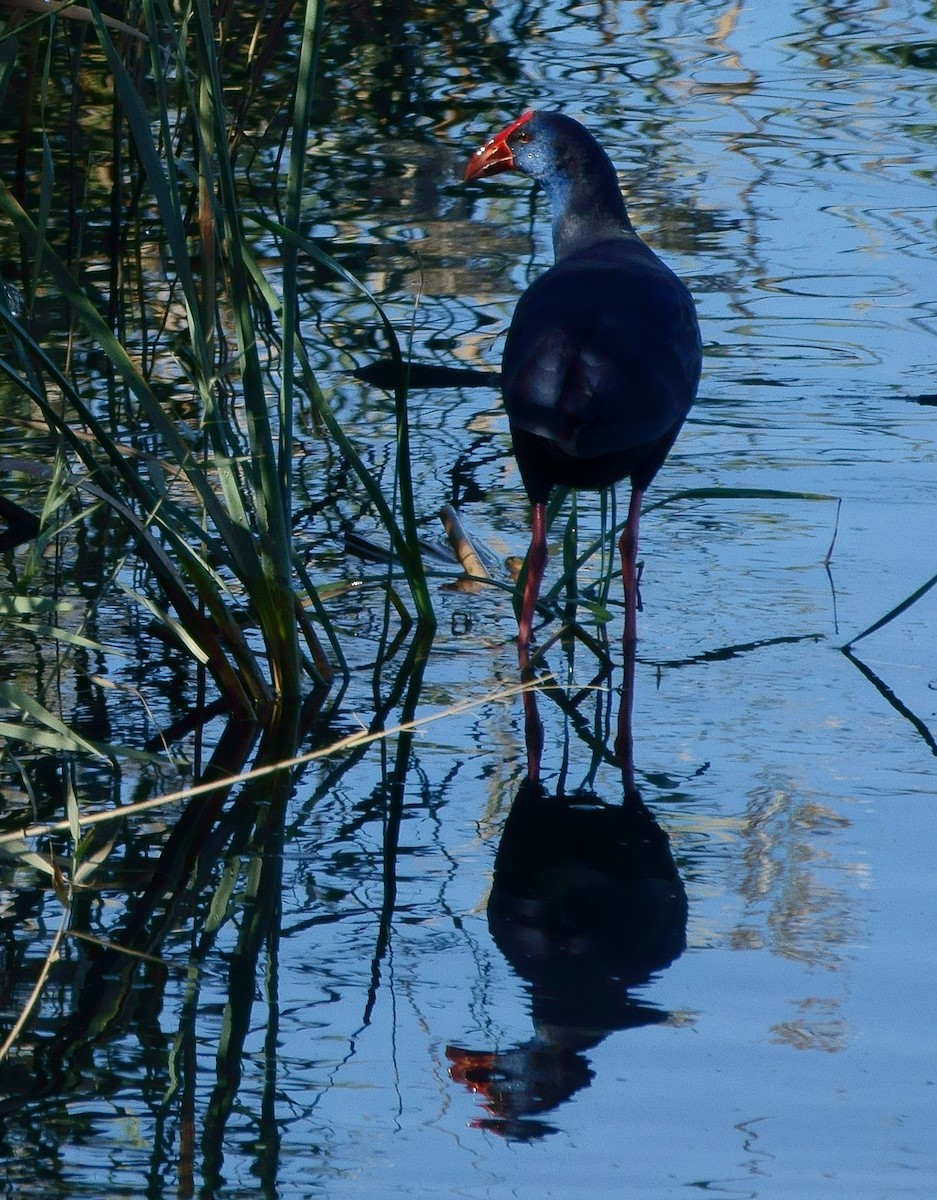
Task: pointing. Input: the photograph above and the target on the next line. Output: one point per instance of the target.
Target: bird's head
(538, 144)
(565, 158)
(497, 154)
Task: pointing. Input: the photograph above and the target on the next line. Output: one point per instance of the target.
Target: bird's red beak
(496, 155)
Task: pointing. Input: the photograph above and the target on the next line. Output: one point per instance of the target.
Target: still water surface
(782, 158)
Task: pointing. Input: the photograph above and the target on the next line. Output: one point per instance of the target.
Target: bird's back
(600, 368)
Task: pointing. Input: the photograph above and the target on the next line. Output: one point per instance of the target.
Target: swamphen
(603, 356)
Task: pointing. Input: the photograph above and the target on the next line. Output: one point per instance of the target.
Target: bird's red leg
(628, 545)
(536, 565)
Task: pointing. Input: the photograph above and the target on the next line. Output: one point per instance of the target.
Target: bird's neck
(587, 205)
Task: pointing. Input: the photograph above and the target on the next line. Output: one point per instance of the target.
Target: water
(782, 158)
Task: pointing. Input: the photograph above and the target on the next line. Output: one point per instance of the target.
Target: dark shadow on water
(19, 524)
(889, 695)
(917, 722)
(384, 373)
(586, 905)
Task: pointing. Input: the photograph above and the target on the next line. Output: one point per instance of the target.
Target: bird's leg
(628, 545)
(536, 565)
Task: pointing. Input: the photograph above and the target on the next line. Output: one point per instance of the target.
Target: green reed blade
(890, 616)
(299, 137)
(405, 534)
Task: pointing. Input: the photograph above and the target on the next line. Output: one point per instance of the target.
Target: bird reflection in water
(586, 904)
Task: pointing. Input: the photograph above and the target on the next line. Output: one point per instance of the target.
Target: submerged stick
(464, 550)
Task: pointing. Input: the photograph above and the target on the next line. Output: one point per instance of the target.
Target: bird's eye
(522, 136)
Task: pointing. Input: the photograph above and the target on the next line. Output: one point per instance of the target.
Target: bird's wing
(603, 353)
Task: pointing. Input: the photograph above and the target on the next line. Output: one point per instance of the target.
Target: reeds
(202, 490)
(167, 396)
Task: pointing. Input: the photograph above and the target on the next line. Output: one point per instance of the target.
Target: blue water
(781, 157)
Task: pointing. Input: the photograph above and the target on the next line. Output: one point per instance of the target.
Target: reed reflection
(586, 905)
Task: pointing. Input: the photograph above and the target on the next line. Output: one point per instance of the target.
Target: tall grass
(208, 501)
(169, 400)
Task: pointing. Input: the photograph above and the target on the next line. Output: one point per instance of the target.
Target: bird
(603, 355)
